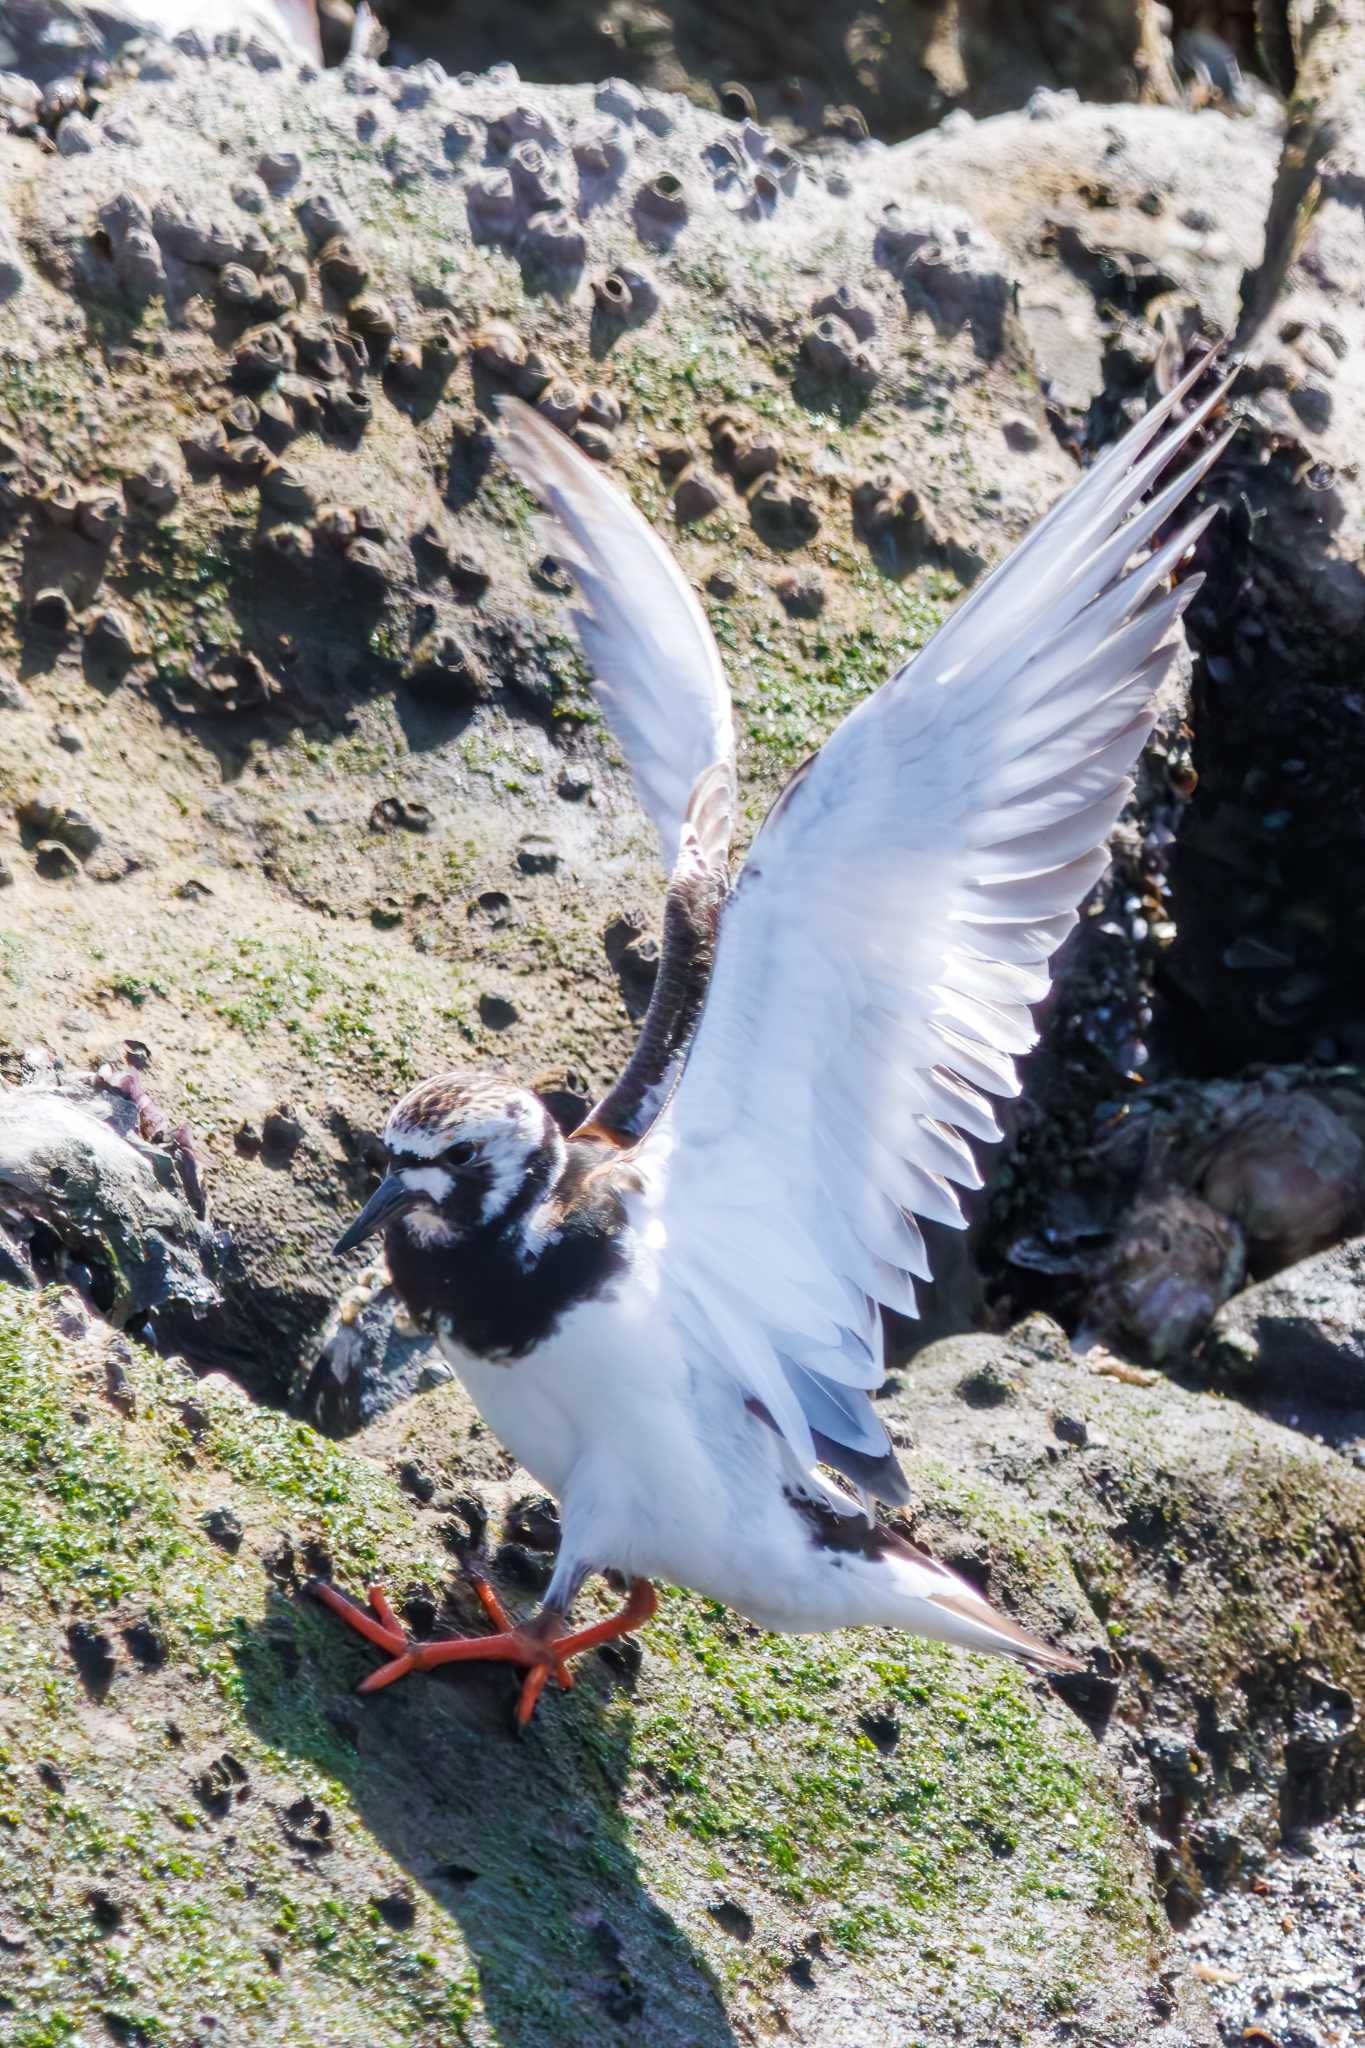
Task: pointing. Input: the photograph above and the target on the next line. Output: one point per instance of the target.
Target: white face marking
(425, 1226)
(435, 1182)
(507, 1127)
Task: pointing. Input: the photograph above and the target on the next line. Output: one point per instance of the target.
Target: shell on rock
(757, 453)
(458, 138)
(602, 152)
(562, 403)
(336, 524)
(493, 207)
(614, 295)
(468, 576)
(56, 505)
(110, 635)
(1291, 1174)
(341, 269)
(50, 610)
(373, 317)
(661, 205)
(736, 101)
(595, 440)
(801, 593)
(316, 347)
(99, 516)
(534, 178)
(1171, 1266)
(843, 303)
(277, 424)
(286, 488)
(278, 169)
(602, 408)
(556, 240)
(287, 543)
(523, 124)
(445, 670)
(246, 458)
(156, 486)
(619, 98)
(440, 349)
(367, 564)
(323, 217)
(498, 349)
(347, 408)
(140, 266)
(302, 395)
(262, 354)
(782, 516)
(206, 442)
(238, 288)
(833, 350)
(404, 361)
(694, 495)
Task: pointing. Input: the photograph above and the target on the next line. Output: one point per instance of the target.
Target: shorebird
(673, 1317)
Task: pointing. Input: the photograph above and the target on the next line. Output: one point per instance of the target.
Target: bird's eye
(461, 1154)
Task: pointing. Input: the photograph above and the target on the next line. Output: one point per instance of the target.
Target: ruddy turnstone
(673, 1317)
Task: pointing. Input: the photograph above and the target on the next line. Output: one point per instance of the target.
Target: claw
(542, 1647)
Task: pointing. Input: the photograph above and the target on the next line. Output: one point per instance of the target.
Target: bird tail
(919, 1594)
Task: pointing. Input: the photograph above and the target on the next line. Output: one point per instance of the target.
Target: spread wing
(291, 25)
(880, 951)
(656, 669)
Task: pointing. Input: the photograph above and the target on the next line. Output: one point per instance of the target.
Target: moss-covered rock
(854, 1839)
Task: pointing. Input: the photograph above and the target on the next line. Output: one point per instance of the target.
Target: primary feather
(656, 670)
(885, 941)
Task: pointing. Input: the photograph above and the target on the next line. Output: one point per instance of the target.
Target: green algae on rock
(905, 1834)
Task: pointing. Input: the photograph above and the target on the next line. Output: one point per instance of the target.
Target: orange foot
(542, 1645)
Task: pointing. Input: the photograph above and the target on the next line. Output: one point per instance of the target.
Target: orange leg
(542, 1646)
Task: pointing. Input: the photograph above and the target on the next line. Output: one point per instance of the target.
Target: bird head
(464, 1153)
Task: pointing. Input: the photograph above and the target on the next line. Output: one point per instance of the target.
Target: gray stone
(1300, 1335)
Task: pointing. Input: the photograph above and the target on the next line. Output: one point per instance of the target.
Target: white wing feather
(886, 938)
(290, 25)
(657, 672)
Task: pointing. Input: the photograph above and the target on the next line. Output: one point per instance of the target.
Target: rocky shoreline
(301, 796)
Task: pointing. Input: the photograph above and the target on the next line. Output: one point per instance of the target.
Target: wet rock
(367, 1360)
(951, 269)
(1169, 1269)
(1291, 1174)
(1300, 1335)
(79, 1183)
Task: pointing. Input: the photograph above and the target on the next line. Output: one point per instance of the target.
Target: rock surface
(302, 791)
(750, 1833)
(1299, 1335)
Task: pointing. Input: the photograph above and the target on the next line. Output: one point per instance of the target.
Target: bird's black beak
(388, 1202)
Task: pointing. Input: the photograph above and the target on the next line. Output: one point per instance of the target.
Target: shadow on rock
(521, 1841)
